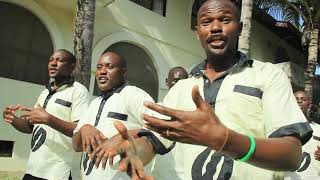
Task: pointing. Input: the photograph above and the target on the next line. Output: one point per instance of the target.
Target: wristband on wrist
(251, 150)
(225, 140)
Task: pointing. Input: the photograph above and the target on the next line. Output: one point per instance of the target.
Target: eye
(110, 66)
(205, 22)
(226, 20)
(99, 66)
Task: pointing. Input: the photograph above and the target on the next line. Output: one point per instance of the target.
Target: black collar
(68, 81)
(242, 62)
(117, 89)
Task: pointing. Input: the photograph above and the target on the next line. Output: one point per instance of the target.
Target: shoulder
(133, 90)
(79, 86)
(269, 72)
(266, 68)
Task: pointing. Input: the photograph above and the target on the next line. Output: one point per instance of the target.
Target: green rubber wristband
(251, 150)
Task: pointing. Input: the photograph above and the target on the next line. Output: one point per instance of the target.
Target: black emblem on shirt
(307, 158)
(211, 168)
(87, 164)
(39, 135)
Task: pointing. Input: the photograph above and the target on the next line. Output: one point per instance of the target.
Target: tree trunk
(312, 62)
(246, 16)
(83, 38)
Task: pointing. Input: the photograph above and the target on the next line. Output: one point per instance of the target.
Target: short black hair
(122, 60)
(69, 56)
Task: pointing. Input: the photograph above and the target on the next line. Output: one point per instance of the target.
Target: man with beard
(234, 118)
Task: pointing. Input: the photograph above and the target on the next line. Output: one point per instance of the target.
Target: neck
(58, 82)
(218, 65)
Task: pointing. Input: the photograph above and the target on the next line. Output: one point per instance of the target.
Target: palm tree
(246, 18)
(83, 38)
(305, 14)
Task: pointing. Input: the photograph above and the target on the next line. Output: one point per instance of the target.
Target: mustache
(215, 37)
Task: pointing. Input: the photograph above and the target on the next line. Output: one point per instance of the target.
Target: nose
(53, 62)
(102, 71)
(215, 26)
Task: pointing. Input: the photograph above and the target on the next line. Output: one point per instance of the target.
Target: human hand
(130, 151)
(200, 126)
(36, 115)
(100, 154)
(9, 113)
(317, 153)
(91, 137)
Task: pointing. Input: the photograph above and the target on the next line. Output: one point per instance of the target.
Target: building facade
(152, 35)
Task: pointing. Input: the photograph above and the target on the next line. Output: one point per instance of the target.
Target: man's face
(109, 74)
(174, 77)
(218, 28)
(303, 101)
(60, 65)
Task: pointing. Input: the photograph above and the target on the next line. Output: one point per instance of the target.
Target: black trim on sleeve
(302, 131)
(156, 143)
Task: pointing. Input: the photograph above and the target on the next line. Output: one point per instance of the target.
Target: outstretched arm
(202, 127)
(21, 124)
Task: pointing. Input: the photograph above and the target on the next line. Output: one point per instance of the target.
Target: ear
(73, 66)
(124, 72)
(240, 27)
(197, 34)
(167, 81)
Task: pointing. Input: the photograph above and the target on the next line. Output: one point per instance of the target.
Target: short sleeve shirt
(252, 98)
(125, 106)
(309, 167)
(52, 155)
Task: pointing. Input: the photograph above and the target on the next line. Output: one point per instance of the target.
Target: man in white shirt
(248, 126)
(118, 101)
(310, 165)
(174, 75)
(52, 122)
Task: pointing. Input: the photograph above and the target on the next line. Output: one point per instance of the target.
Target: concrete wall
(169, 41)
(12, 93)
(264, 43)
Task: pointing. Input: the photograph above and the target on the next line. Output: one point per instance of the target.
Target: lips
(52, 70)
(102, 79)
(217, 41)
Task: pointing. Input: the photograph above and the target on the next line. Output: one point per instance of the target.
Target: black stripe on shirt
(119, 116)
(63, 102)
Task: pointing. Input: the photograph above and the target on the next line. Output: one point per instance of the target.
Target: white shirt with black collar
(52, 155)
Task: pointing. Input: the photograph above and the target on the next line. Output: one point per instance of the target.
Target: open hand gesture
(200, 126)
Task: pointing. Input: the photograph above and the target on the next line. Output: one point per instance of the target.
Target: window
(6, 148)
(158, 6)
(25, 47)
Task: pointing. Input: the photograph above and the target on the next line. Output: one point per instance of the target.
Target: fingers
(157, 123)
(160, 109)
(197, 99)
(123, 131)
(25, 108)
